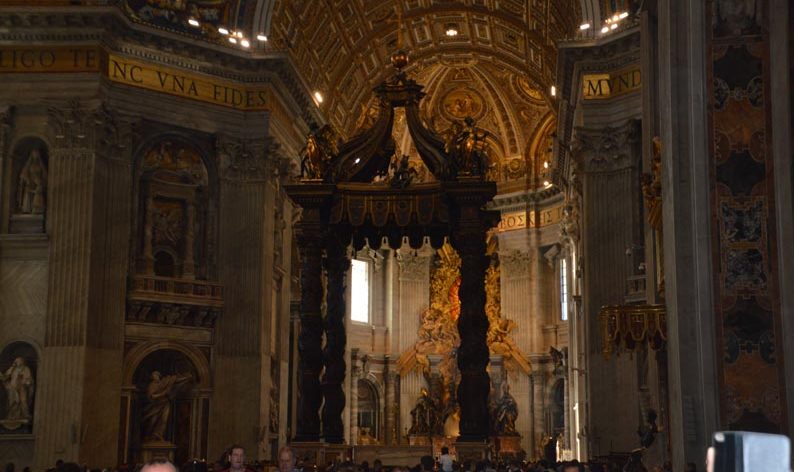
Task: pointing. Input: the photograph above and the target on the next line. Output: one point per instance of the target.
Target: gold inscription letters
(119, 69)
(602, 86)
(518, 220)
(50, 59)
(188, 85)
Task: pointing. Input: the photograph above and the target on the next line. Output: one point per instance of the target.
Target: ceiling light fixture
(545, 164)
(358, 159)
(193, 22)
(546, 183)
(318, 96)
(553, 91)
(623, 15)
(261, 37)
(223, 31)
(614, 26)
(452, 31)
(239, 34)
(244, 43)
(233, 40)
(605, 29)
(584, 26)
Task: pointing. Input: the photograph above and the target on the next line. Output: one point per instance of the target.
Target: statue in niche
(32, 185)
(160, 393)
(506, 413)
(18, 382)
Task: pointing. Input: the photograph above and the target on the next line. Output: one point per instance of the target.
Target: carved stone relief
(245, 160)
(413, 265)
(606, 149)
(515, 264)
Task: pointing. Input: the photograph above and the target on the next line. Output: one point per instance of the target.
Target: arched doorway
(368, 413)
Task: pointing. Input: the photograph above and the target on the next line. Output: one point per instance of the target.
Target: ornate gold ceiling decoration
(497, 68)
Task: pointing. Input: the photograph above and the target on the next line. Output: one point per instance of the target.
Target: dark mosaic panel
(747, 304)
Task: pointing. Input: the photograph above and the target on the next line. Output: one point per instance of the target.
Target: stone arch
(142, 351)
(546, 129)
(369, 406)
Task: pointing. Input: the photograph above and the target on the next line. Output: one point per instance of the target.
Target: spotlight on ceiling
(553, 91)
(605, 29)
(239, 34)
(318, 96)
(545, 164)
(193, 22)
(546, 183)
(233, 40)
(223, 30)
(614, 26)
(244, 43)
(623, 15)
(584, 26)
(451, 30)
(358, 159)
(261, 37)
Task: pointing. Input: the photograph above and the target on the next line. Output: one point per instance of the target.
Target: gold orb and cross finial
(399, 58)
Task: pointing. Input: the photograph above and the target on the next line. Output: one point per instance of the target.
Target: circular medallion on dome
(461, 103)
(526, 88)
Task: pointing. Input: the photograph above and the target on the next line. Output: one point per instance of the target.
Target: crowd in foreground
(234, 460)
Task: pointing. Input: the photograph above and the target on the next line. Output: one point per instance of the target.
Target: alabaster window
(359, 291)
(563, 290)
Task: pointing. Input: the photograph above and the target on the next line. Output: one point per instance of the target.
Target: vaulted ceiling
(498, 67)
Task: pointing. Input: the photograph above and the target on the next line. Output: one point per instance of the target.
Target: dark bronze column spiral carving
(336, 266)
(310, 352)
(473, 353)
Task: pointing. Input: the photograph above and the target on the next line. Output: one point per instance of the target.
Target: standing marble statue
(506, 413)
(32, 185)
(18, 382)
(160, 392)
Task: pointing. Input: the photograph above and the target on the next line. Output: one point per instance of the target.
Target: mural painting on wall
(175, 14)
(18, 364)
(162, 412)
(436, 410)
(29, 186)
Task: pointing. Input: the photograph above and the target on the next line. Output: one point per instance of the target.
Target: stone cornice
(110, 28)
(520, 200)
